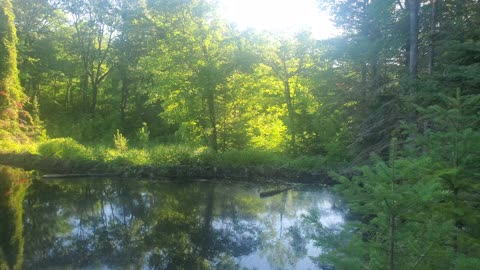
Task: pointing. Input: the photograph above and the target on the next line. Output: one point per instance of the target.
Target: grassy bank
(67, 155)
(172, 155)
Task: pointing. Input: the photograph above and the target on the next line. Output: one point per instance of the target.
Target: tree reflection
(13, 183)
(140, 225)
(102, 223)
(277, 246)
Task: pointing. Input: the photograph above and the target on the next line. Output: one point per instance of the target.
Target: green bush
(137, 157)
(100, 152)
(64, 148)
(172, 155)
(249, 158)
(16, 143)
(143, 135)
(128, 157)
(9, 144)
(107, 155)
(120, 142)
(204, 156)
(307, 163)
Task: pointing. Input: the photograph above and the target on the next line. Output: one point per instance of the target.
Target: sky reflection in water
(117, 224)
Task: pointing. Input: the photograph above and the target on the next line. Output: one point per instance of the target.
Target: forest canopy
(180, 70)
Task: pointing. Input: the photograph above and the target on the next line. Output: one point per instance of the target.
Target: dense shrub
(120, 142)
(10, 144)
(172, 155)
(307, 163)
(249, 158)
(175, 155)
(143, 135)
(64, 148)
(137, 157)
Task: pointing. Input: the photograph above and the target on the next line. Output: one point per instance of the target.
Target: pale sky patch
(279, 16)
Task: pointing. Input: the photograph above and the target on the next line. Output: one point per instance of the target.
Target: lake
(104, 223)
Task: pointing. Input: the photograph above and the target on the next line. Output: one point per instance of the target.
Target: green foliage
(238, 158)
(9, 82)
(398, 205)
(267, 132)
(143, 135)
(455, 144)
(64, 148)
(171, 155)
(180, 155)
(36, 112)
(13, 187)
(11, 144)
(85, 129)
(190, 132)
(219, 93)
(120, 142)
(137, 157)
(416, 212)
(156, 155)
(308, 163)
(466, 263)
(13, 117)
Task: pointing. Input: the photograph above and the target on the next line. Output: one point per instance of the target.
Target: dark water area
(133, 224)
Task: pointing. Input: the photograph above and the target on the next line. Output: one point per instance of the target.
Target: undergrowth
(152, 154)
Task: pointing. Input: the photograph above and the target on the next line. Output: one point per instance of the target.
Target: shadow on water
(125, 224)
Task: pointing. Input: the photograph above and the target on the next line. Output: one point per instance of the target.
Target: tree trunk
(460, 19)
(290, 110)
(125, 94)
(67, 94)
(391, 248)
(84, 86)
(364, 79)
(206, 237)
(213, 119)
(375, 83)
(413, 53)
(94, 97)
(431, 48)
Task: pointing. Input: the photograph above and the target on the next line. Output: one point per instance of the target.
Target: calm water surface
(134, 224)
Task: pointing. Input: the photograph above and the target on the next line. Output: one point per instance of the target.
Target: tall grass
(64, 148)
(174, 155)
(180, 155)
(236, 158)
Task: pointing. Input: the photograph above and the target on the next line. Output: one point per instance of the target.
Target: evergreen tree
(396, 221)
(454, 142)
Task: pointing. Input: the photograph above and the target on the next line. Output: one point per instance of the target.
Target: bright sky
(283, 16)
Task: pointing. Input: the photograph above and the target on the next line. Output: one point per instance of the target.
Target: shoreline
(92, 168)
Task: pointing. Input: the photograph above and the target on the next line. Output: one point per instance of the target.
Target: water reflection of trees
(13, 183)
(127, 224)
(152, 225)
(281, 246)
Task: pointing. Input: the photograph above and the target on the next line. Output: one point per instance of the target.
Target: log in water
(78, 175)
(271, 193)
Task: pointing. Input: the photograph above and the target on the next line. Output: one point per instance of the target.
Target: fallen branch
(273, 192)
